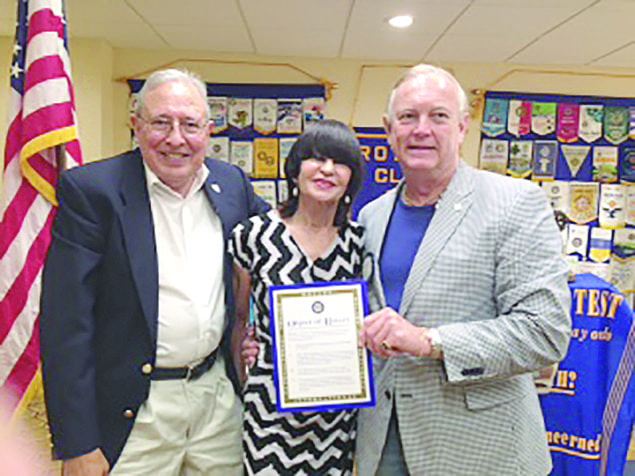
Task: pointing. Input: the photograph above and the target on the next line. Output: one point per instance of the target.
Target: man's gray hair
(427, 70)
(163, 76)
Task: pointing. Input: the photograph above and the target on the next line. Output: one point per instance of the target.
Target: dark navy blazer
(100, 298)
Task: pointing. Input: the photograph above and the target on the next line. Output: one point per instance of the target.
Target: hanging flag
(218, 113)
(616, 124)
(520, 158)
(265, 115)
(266, 189)
(495, 116)
(568, 122)
(41, 140)
(494, 154)
(605, 162)
(240, 112)
(584, 202)
(631, 122)
(543, 118)
(313, 110)
(284, 147)
(524, 118)
(513, 116)
(558, 193)
(578, 237)
(622, 264)
(574, 156)
(591, 118)
(265, 157)
(600, 244)
(612, 212)
(627, 163)
(241, 154)
(630, 204)
(289, 116)
(545, 159)
(218, 148)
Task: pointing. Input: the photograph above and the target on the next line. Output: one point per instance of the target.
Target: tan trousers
(186, 428)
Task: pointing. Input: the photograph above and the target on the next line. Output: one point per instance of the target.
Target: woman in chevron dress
(307, 240)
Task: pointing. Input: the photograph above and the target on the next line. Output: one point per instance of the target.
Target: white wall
(359, 98)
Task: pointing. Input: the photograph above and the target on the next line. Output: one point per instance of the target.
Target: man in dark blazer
(137, 303)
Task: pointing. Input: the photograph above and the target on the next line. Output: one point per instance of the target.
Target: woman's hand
(250, 347)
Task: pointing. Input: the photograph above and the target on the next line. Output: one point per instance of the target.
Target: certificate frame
(337, 311)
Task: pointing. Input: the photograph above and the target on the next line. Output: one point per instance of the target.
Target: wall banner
(382, 170)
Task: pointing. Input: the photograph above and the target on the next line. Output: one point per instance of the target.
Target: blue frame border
(276, 377)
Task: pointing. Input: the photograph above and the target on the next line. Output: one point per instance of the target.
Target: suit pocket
(491, 394)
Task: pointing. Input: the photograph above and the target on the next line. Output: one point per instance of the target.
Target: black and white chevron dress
(309, 443)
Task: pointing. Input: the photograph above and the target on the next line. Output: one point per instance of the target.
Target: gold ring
(385, 345)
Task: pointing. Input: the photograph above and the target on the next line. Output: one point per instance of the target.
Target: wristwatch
(434, 338)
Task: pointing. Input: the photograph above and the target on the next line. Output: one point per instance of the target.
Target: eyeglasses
(165, 126)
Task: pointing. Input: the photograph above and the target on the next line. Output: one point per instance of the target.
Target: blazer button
(146, 369)
(387, 393)
(128, 414)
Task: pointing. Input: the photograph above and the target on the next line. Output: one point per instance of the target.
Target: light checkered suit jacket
(490, 275)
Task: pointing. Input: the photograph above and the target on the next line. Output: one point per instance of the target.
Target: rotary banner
(581, 150)
(600, 245)
(514, 114)
(240, 112)
(568, 122)
(218, 148)
(577, 239)
(616, 123)
(605, 163)
(631, 122)
(520, 158)
(558, 193)
(543, 118)
(265, 157)
(495, 117)
(218, 113)
(525, 113)
(627, 163)
(494, 155)
(584, 202)
(545, 159)
(265, 115)
(591, 118)
(575, 155)
(612, 206)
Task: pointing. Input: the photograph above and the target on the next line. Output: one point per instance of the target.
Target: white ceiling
(564, 32)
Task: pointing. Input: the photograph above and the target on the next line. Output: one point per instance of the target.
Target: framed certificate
(318, 364)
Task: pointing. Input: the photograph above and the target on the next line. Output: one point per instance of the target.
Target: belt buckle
(188, 374)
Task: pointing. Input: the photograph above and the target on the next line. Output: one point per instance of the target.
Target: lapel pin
(215, 187)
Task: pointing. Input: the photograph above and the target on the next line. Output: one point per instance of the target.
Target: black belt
(188, 373)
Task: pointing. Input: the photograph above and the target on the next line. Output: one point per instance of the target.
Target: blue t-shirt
(405, 232)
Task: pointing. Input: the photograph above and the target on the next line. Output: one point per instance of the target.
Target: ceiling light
(401, 21)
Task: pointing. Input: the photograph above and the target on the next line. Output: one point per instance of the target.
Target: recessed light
(401, 21)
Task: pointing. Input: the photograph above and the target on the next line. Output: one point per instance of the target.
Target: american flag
(41, 140)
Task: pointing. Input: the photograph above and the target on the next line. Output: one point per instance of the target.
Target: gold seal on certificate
(318, 363)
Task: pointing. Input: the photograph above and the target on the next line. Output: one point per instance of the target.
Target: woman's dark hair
(326, 139)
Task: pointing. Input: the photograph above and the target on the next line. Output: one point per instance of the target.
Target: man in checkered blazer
(470, 297)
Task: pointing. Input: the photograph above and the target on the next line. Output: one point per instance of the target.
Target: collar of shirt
(154, 182)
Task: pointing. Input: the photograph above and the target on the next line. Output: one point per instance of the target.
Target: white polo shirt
(190, 248)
